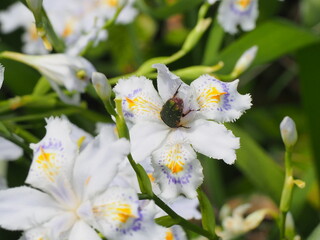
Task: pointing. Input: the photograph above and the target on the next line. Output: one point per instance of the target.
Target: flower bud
(244, 61)
(288, 132)
(101, 85)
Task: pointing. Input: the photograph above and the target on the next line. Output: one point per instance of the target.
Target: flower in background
(175, 123)
(1, 75)
(74, 196)
(244, 61)
(236, 224)
(106, 9)
(288, 132)
(232, 13)
(8, 150)
(72, 72)
(72, 20)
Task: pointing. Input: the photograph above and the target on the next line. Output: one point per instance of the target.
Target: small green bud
(101, 85)
(288, 132)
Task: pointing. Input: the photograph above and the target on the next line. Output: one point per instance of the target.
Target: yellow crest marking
(169, 236)
(80, 141)
(151, 177)
(244, 3)
(119, 211)
(68, 29)
(174, 159)
(209, 96)
(45, 162)
(112, 3)
(142, 105)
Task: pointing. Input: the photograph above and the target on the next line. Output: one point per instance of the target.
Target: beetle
(172, 111)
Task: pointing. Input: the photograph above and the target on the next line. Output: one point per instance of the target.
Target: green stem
(286, 195)
(49, 32)
(213, 43)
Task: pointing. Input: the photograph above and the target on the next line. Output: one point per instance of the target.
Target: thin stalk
(286, 195)
(214, 42)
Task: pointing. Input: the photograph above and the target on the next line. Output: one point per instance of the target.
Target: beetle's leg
(177, 91)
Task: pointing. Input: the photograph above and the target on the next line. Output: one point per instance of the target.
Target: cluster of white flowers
(71, 193)
(75, 21)
(77, 186)
(80, 186)
(170, 126)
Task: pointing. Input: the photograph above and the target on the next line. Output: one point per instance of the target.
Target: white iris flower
(236, 224)
(174, 123)
(70, 194)
(72, 72)
(232, 13)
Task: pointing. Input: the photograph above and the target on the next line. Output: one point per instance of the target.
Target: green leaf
(274, 38)
(166, 221)
(308, 59)
(207, 212)
(258, 167)
(144, 181)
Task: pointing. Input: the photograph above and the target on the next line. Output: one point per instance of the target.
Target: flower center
(242, 5)
(172, 112)
(169, 235)
(112, 3)
(45, 161)
(117, 211)
(68, 29)
(174, 159)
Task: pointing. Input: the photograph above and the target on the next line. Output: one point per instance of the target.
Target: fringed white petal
(214, 140)
(146, 137)
(140, 100)
(168, 83)
(98, 163)
(9, 151)
(82, 231)
(53, 156)
(177, 170)
(218, 100)
(22, 208)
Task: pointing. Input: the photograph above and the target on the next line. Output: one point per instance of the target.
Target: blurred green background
(284, 80)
